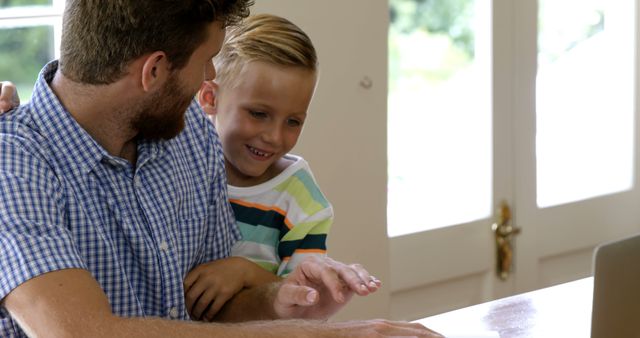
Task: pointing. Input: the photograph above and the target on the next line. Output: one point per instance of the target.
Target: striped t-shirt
(283, 220)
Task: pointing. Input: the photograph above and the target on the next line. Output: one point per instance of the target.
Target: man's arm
(70, 303)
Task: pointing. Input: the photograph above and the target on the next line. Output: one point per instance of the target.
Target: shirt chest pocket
(192, 233)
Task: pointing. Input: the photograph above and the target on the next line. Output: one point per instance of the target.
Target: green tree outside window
(23, 52)
(16, 3)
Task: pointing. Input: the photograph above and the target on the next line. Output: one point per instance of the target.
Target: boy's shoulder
(292, 166)
(298, 180)
(291, 163)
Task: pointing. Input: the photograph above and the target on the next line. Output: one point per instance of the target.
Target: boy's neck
(243, 181)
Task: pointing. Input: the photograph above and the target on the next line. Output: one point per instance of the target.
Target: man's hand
(8, 96)
(319, 287)
(375, 328)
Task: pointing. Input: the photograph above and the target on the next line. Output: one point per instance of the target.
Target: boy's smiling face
(260, 118)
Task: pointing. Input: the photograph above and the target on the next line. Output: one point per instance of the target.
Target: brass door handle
(503, 233)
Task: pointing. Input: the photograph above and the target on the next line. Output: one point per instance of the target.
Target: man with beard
(112, 193)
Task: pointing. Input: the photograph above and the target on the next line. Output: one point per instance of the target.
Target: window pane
(585, 99)
(439, 118)
(16, 3)
(23, 52)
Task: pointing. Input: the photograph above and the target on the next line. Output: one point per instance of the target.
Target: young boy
(266, 77)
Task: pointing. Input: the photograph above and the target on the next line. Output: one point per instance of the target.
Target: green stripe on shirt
(311, 228)
(259, 234)
(307, 195)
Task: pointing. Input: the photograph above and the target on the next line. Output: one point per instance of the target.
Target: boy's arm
(311, 216)
(210, 285)
(257, 275)
(307, 238)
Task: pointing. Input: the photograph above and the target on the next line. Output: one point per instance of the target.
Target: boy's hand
(209, 286)
(320, 286)
(8, 96)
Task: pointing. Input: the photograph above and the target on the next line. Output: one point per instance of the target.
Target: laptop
(616, 289)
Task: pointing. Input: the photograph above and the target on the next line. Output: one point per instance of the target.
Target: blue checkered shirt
(67, 203)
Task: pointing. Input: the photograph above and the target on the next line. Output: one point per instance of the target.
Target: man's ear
(155, 71)
(207, 97)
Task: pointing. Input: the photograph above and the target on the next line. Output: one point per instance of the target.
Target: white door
(576, 152)
(487, 153)
(563, 159)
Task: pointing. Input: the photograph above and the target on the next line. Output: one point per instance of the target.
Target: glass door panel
(439, 114)
(584, 99)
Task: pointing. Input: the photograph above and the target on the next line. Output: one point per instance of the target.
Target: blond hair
(266, 38)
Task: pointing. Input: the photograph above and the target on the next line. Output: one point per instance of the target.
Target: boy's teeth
(257, 152)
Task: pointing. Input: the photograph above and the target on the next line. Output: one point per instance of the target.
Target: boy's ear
(207, 97)
(155, 71)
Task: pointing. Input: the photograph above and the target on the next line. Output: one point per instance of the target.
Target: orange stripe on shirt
(305, 251)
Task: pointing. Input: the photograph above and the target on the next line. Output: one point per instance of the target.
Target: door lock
(504, 233)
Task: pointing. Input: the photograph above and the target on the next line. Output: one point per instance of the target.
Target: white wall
(344, 139)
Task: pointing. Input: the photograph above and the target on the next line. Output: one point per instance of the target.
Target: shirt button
(173, 312)
(164, 246)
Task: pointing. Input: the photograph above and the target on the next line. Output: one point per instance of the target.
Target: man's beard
(161, 116)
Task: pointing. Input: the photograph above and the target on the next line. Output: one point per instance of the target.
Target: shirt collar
(77, 147)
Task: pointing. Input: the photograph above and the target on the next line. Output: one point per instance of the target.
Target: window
(29, 37)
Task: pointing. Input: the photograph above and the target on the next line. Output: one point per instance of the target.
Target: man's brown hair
(101, 37)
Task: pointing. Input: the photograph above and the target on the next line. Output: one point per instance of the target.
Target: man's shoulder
(198, 138)
(196, 118)
(17, 128)
(20, 115)
(25, 154)
(196, 151)
(197, 126)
